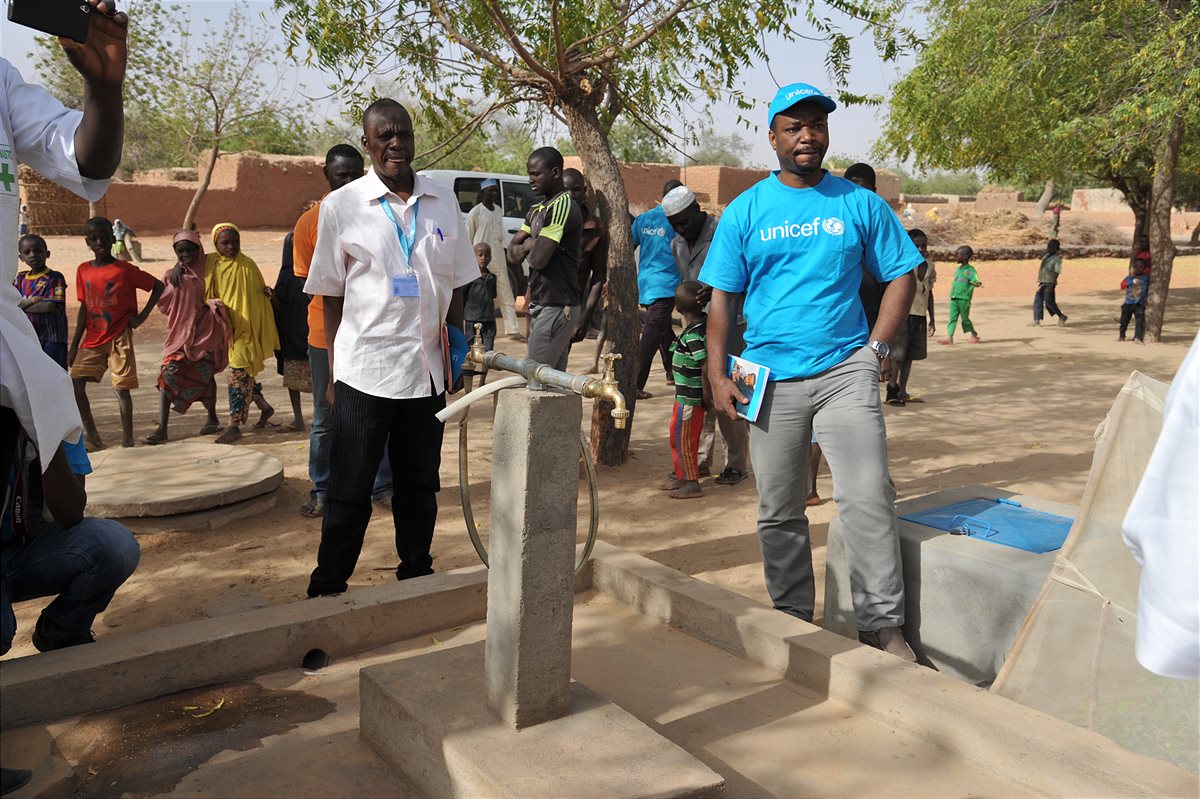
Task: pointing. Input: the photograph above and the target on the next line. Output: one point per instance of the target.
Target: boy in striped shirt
(692, 394)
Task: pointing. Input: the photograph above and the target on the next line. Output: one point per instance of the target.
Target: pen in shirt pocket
(440, 236)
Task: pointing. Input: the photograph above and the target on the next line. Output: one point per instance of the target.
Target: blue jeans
(320, 437)
(84, 565)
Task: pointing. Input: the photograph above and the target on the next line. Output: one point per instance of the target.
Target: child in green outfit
(966, 280)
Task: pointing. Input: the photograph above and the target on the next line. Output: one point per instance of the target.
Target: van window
(467, 192)
(518, 198)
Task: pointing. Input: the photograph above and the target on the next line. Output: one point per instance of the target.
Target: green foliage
(182, 95)
(728, 149)
(1031, 90)
(964, 182)
(649, 61)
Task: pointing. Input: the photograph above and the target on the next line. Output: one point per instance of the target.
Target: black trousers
(362, 424)
(1138, 312)
(656, 335)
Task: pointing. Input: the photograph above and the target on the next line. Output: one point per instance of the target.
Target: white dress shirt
(390, 346)
(38, 131)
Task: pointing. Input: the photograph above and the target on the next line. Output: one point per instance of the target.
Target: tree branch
(518, 75)
(514, 41)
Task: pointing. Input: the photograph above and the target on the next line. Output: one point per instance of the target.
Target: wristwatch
(880, 348)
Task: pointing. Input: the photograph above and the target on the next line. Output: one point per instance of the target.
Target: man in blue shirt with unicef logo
(657, 278)
(794, 244)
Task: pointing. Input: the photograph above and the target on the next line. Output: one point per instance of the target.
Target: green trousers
(960, 308)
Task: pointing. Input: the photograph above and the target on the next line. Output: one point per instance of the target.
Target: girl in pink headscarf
(197, 345)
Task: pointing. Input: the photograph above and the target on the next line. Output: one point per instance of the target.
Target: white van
(516, 198)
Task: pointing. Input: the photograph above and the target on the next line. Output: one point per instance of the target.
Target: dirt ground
(1017, 411)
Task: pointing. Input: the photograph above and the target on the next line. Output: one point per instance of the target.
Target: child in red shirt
(108, 314)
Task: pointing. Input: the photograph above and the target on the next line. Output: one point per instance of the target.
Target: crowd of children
(219, 314)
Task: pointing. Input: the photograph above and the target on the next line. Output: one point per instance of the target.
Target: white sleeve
(43, 132)
(472, 224)
(466, 268)
(327, 271)
(1162, 528)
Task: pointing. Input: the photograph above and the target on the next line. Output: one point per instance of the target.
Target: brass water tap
(476, 351)
(607, 390)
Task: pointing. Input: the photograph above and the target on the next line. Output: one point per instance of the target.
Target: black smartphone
(66, 18)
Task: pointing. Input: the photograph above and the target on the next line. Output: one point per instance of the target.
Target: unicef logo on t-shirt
(789, 230)
(833, 226)
(654, 231)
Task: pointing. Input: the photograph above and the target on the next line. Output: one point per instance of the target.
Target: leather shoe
(890, 640)
(13, 778)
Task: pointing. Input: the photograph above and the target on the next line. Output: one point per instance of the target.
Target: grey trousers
(842, 406)
(736, 435)
(550, 329)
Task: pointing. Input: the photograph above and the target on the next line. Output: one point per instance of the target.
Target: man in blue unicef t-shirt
(657, 278)
(794, 245)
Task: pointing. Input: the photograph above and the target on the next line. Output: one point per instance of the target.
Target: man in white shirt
(79, 150)
(391, 258)
(485, 225)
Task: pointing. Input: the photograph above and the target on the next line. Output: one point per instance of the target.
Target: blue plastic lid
(1000, 521)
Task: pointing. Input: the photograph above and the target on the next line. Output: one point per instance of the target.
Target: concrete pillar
(535, 486)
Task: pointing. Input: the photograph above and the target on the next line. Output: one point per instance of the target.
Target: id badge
(405, 286)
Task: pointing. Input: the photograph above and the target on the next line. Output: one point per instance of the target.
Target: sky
(853, 130)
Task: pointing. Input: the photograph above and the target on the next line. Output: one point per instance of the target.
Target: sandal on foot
(210, 429)
(313, 509)
(155, 438)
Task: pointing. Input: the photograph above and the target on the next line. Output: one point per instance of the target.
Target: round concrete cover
(177, 478)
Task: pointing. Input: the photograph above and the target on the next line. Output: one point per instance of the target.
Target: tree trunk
(610, 446)
(1137, 197)
(1162, 249)
(1195, 239)
(205, 179)
(1044, 201)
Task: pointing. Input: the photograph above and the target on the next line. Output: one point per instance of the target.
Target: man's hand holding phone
(101, 59)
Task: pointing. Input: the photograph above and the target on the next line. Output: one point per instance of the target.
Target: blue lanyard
(406, 242)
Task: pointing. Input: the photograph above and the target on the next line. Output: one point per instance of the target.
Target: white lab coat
(38, 131)
(1162, 528)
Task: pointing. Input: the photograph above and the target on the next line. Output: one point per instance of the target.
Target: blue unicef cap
(795, 93)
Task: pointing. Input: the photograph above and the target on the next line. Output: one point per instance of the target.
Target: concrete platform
(776, 706)
(428, 718)
(965, 598)
(177, 478)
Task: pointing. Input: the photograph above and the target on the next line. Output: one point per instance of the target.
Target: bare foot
(265, 419)
(593, 370)
(671, 484)
(127, 443)
(974, 340)
(812, 499)
(689, 490)
(945, 341)
(229, 436)
(296, 425)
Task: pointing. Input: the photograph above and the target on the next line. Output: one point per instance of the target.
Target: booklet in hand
(751, 380)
